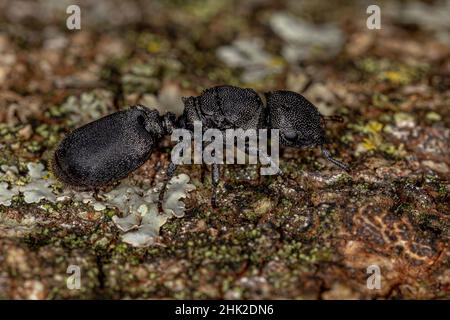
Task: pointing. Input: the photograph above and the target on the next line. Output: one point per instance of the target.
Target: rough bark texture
(311, 233)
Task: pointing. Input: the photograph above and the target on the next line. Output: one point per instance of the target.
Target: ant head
(298, 120)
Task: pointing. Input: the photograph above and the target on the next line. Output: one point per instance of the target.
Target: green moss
(33, 146)
(73, 241)
(391, 71)
(109, 213)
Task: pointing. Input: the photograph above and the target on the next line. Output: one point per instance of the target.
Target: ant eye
(290, 134)
(141, 119)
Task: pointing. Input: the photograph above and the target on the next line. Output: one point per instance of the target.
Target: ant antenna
(328, 156)
(332, 118)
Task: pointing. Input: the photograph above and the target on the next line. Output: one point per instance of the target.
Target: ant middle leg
(169, 174)
(215, 178)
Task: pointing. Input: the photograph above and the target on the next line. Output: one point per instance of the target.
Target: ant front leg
(338, 163)
(169, 174)
(334, 118)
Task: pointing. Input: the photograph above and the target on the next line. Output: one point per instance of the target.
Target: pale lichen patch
(143, 222)
(6, 194)
(37, 188)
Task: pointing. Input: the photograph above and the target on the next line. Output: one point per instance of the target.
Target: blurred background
(156, 51)
(310, 234)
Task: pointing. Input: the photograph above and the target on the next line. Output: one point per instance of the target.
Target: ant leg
(258, 170)
(215, 177)
(202, 173)
(328, 156)
(169, 174)
(261, 156)
(96, 194)
(252, 152)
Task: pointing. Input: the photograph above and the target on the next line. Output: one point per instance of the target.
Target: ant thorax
(230, 146)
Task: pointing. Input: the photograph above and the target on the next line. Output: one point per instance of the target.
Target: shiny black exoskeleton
(108, 149)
